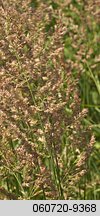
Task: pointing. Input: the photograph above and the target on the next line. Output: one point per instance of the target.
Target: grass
(49, 76)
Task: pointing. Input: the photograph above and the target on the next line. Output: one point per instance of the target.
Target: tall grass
(47, 144)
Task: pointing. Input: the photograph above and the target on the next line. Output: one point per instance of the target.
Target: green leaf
(33, 4)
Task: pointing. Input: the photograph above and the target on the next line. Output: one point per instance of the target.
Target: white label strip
(49, 207)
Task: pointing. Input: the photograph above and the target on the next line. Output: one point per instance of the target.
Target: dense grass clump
(46, 139)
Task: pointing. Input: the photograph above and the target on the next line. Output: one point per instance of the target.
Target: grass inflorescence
(46, 137)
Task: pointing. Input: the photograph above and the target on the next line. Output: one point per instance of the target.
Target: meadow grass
(50, 100)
